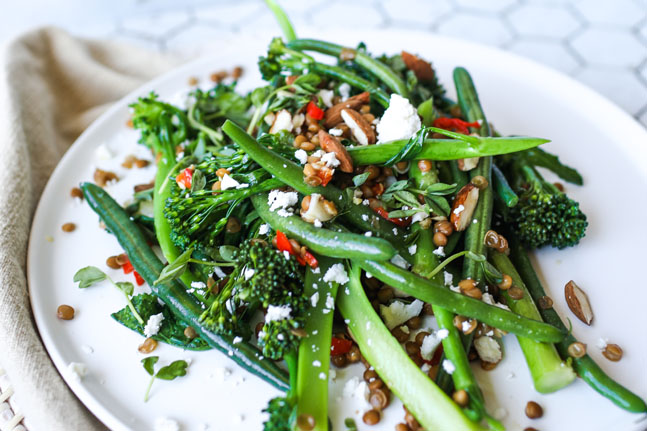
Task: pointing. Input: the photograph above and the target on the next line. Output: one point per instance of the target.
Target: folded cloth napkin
(52, 86)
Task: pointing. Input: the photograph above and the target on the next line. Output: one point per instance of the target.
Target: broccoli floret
(544, 214)
(280, 410)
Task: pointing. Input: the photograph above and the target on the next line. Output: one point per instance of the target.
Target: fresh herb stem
(283, 20)
(209, 263)
(148, 388)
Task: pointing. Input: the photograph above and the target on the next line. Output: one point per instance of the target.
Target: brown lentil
(237, 72)
(545, 302)
(112, 263)
(339, 361)
(424, 165)
(461, 397)
(577, 349)
(353, 355)
(473, 325)
(369, 375)
(420, 337)
(190, 333)
(412, 348)
(122, 259)
(218, 76)
(300, 139)
(312, 181)
(440, 239)
(411, 421)
(314, 127)
(559, 186)
(233, 225)
(65, 312)
(488, 366)
(307, 146)
(414, 323)
(68, 227)
(365, 109)
(141, 163)
(467, 284)
(76, 193)
(305, 422)
(534, 410)
(612, 352)
(428, 309)
(102, 177)
(379, 398)
(444, 227)
(399, 334)
(491, 239)
(369, 117)
(371, 417)
(216, 186)
(402, 427)
(385, 294)
(147, 346)
(474, 293)
(221, 172)
(515, 292)
(458, 321)
(141, 187)
(375, 384)
(309, 170)
(530, 429)
(506, 283)
(480, 182)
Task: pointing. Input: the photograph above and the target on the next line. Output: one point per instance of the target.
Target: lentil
(414, 323)
(76, 193)
(612, 352)
(68, 227)
(444, 227)
(371, 417)
(506, 283)
(411, 348)
(545, 302)
(515, 292)
(467, 284)
(237, 72)
(488, 366)
(141, 163)
(474, 293)
(112, 263)
(402, 427)
(369, 375)
(192, 81)
(385, 294)
(461, 397)
(375, 384)
(353, 355)
(420, 336)
(577, 349)
(339, 361)
(399, 334)
(122, 259)
(233, 225)
(147, 346)
(305, 422)
(307, 146)
(534, 410)
(190, 333)
(480, 182)
(65, 312)
(379, 398)
(440, 239)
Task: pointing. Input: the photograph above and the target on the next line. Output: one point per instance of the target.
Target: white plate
(520, 96)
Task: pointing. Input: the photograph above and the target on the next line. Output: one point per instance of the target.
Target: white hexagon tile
(602, 43)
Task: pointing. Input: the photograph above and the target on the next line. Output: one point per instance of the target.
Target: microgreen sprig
(170, 372)
(91, 275)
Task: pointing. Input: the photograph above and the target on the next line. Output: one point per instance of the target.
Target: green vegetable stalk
(549, 373)
(433, 409)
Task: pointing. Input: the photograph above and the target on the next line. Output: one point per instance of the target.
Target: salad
(325, 218)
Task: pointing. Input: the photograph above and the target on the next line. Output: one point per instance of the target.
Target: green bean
(585, 367)
(434, 293)
(443, 149)
(173, 293)
(361, 216)
(503, 189)
(324, 241)
(363, 60)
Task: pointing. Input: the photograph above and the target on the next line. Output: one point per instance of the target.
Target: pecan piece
(421, 68)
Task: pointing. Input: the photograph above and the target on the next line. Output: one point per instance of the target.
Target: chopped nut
(282, 121)
(331, 144)
(464, 206)
(468, 164)
(358, 125)
(421, 68)
(315, 207)
(578, 302)
(332, 116)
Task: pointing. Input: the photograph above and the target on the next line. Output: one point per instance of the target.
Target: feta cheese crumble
(440, 251)
(153, 325)
(326, 97)
(398, 260)
(275, 313)
(166, 424)
(399, 312)
(264, 229)
(301, 156)
(228, 182)
(281, 202)
(314, 299)
(330, 159)
(249, 273)
(400, 120)
(412, 249)
(77, 370)
(449, 366)
(336, 273)
(335, 132)
(344, 91)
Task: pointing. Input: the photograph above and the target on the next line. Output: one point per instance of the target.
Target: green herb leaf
(198, 181)
(438, 204)
(427, 111)
(149, 364)
(360, 179)
(402, 213)
(350, 424)
(173, 370)
(398, 185)
(88, 276)
(126, 287)
(176, 268)
(440, 189)
(259, 95)
(410, 150)
(492, 274)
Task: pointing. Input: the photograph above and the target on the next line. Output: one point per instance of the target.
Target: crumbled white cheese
(316, 363)
(317, 270)
(317, 223)
(602, 343)
(399, 312)
(330, 159)
(297, 120)
(440, 251)
(228, 182)
(344, 91)
(282, 201)
(280, 312)
(263, 229)
(269, 118)
(301, 156)
(429, 345)
(77, 370)
(466, 325)
(166, 424)
(237, 340)
(500, 413)
(314, 299)
(419, 216)
(357, 390)
(400, 120)
(336, 132)
(368, 233)
(488, 349)
(153, 325)
(449, 278)
(459, 209)
(323, 376)
(412, 249)
(395, 231)
(249, 273)
(198, 284)
(103, 153)
(398, 260)
(330, 304)
(449, 366)
(442, 333)
(326, 97)
(219, 272)
(365, 217)
(336, 273)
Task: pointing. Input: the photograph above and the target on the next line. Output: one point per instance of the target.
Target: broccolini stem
(283, 20)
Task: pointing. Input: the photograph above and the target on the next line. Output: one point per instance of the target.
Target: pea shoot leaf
(176, 268)
(227, 252)
(126, 287)
(88, 276)
(149, 364)
(173, 370)
(492, 274)
(360, 179)
(198, 181)
(412, 148)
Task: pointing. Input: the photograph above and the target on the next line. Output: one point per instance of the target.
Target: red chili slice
(455, 124)
(138, 278)
(325, 175)
(127, 267)
(314, 111)
(184, 178)
(311, 260)
(339, 346)
(283, 243)
(399, 221)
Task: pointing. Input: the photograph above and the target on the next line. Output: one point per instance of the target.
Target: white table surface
(602, 43)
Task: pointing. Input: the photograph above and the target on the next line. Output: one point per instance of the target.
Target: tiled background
(602, 43)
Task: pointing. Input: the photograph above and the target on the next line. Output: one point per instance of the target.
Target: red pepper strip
(435, 360)
(325, 175)
(311, 260)
(399, 221)
(314, 111)
(339, 346)
(127, 267)
(184, 178)
(283, 243)
(455, 124)
(138, 278)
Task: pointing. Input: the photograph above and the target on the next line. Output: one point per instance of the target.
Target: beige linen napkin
(52, 86)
